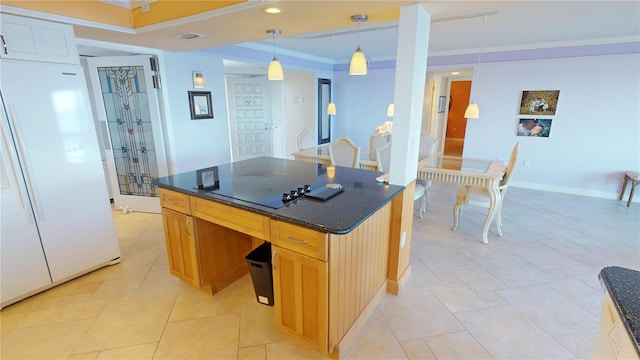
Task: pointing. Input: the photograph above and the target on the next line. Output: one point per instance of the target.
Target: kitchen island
(330, 258)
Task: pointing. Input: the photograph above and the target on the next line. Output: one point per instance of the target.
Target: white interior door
(130, 114)
(249, 118)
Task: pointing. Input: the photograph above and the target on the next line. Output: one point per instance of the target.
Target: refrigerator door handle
(14, 166)
(25, 161)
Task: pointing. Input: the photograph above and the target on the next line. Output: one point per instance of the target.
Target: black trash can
(259, 261)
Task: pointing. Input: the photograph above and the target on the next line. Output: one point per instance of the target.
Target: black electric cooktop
(267, 182)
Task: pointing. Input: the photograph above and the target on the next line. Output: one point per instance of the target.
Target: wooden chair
(376, 142)
(307, 139)
(474, 195)
(344, 152)
(383, 157)
(427, 147)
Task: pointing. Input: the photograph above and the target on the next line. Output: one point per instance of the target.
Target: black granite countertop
(257, 185)
(623, 286)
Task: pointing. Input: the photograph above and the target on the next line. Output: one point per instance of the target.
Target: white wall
(194, 144)
(299, 115)
(595, 135)
(361, 103)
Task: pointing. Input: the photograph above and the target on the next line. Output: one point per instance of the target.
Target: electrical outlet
(526, 163)
(403, 239)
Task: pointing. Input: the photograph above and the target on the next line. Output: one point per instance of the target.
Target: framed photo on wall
(534, 127)
(539, 102)
(200, 105)
(442, 102)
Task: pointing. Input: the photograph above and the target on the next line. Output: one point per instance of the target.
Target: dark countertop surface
(257, 185)
(623, 286)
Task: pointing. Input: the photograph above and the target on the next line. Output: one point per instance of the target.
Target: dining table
(465, 171)
(320, 154)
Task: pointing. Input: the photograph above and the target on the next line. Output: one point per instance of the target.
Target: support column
(411, 70)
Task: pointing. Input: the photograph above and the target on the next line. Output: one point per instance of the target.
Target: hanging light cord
(484, 20)
(274, 44)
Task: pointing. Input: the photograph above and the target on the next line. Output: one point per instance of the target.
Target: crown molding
(64, 19)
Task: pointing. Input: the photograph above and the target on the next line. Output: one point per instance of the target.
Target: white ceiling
(307, 27)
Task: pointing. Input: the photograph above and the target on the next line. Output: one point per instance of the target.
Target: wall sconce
(198, 80)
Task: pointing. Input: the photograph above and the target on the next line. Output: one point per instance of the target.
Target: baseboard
(572, 190)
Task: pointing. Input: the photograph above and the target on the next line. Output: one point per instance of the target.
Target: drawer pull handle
(186, 227)
(170, 200)
(294, 240)
(273, 262)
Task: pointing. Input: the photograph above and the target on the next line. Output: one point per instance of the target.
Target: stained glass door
(127, 107)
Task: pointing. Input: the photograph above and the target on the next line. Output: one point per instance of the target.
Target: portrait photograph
(539, 102)
(534, 127)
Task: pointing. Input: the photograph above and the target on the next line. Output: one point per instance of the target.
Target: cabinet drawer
(175, 201)
(231, 217)
(299, 239)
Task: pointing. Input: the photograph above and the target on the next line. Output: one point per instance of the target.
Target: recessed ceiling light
(272, 10)
(455, 73)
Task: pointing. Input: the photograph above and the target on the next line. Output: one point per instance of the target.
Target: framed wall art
(534, 127)
(442, 101)
(200, 105)
(539, 102)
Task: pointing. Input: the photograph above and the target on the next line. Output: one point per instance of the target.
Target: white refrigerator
(56, 220)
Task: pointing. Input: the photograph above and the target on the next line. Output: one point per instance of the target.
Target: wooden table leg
(624, 186)
(633, 188)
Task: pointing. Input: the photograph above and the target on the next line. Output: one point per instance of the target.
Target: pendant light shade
(275, 69)
(331, 109)
(472, 112)
(358, 64)
(391, 109)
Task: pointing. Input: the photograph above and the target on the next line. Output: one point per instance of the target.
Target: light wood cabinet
(300, 287)
(181, 246)
(37, 40)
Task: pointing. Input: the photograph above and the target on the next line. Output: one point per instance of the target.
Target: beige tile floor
(533, 293)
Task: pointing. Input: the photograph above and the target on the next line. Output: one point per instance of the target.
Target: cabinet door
(37, 40)
(181, 246)
(301, 296)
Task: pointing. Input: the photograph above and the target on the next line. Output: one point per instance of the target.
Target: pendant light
(358, 64)
(473, 112)
(275, 69)
(391, 109)
(331, 108)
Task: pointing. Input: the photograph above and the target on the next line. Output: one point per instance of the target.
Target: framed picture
(539, 102)
(208, 179)
(534, 127)
(200, 105)
(442, 101)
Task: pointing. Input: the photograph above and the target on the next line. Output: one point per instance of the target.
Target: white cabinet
(37, 40)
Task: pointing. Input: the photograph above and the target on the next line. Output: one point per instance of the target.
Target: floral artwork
(539, 102)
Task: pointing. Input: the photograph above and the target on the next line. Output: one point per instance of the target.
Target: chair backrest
(427, 144)
(383, 156)
(376, 142)
(307, 139)
(511, 167)
(344, 152)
